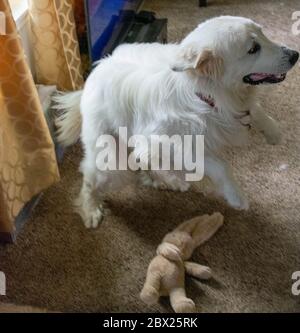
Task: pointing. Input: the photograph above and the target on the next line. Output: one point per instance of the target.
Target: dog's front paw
(238, 202)
(273, 139)
(92, 220)
(272, 132)
(236, 199)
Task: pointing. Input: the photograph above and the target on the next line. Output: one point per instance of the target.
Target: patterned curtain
(56, 49)
(27, 157)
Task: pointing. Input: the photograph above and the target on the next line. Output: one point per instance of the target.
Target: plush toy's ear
(169, 251)
(190, 225)
(206, 228)
(205, 62)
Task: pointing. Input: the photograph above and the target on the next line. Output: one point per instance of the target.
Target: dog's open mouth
(259, 78)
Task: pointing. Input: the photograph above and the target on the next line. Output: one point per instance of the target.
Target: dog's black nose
(294, 57)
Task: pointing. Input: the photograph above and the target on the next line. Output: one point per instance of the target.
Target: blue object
(103, 16)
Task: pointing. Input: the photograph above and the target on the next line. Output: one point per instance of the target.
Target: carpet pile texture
(59, 265)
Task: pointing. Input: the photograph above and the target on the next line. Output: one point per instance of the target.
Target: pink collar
(211, 102)
(208, 100)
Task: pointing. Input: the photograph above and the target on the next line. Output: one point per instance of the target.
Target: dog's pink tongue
(259, 76)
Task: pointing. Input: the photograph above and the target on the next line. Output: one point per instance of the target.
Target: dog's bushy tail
(68, 121)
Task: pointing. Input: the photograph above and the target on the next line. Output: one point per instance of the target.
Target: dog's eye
(254, 49)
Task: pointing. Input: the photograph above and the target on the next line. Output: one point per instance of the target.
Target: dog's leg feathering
(220, 174)
(267, 125)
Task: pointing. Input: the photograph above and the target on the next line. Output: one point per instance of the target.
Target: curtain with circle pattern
(56, 48)
(27, 157)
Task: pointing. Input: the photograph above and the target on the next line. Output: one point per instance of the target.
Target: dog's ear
(209, 64)
(205, 62)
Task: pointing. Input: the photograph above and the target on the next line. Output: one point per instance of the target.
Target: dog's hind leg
(97, 183)
(220, 174)
(88, 204)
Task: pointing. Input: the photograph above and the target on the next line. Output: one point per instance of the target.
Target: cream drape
(27, 157)
(56, 48)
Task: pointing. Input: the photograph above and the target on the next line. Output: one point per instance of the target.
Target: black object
(145, 17)
(294, 57)
(202, 3)
(143, 27)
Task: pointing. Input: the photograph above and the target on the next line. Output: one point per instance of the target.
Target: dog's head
(234, 50)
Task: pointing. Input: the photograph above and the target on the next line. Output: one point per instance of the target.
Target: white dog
(204, 85)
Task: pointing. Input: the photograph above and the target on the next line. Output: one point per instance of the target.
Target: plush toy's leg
(206, 228)
(180, 303)
(150, 292)
(198, 271)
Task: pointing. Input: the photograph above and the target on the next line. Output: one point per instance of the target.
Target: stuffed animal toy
(166, 272)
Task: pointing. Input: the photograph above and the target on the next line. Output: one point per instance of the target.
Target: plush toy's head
(179, 244)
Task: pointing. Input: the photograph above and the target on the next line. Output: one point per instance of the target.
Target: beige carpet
(59, 265)
(12, 308)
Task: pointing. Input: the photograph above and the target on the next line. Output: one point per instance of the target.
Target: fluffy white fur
(152, 89)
